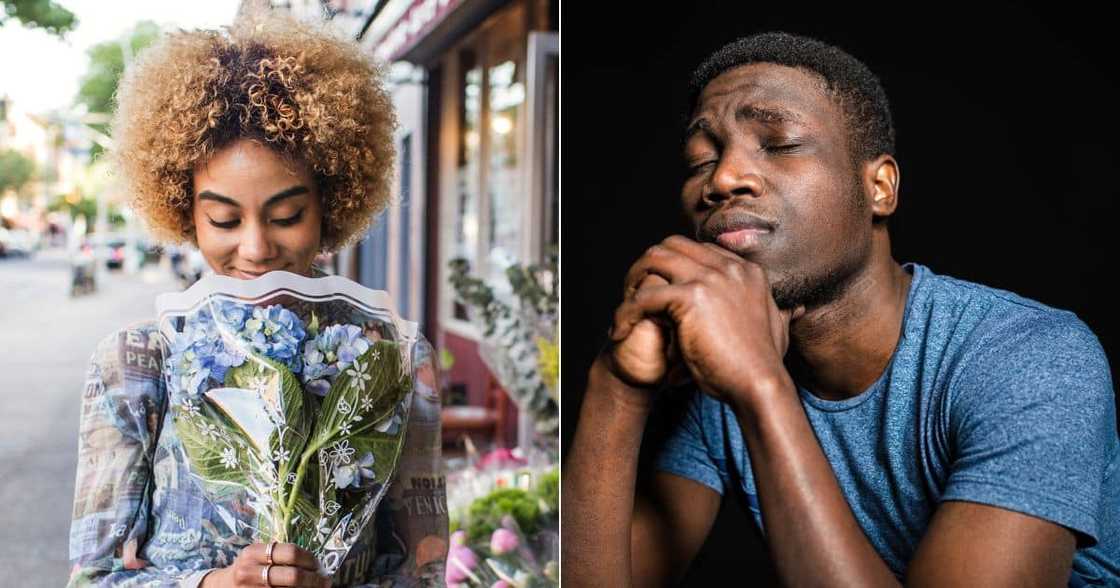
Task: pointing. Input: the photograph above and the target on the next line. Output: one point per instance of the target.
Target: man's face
(770, 178)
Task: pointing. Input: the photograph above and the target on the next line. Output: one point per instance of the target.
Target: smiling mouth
(248, 275)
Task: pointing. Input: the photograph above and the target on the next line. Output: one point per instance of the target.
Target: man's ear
(882, 177)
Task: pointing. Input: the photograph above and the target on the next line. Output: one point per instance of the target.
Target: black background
(1006, 133)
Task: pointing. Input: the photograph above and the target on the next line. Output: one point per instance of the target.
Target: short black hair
(857, 91)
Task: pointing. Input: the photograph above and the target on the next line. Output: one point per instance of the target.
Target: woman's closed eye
(283, 222)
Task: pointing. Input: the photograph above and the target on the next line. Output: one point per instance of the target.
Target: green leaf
(285, 400)
(206, 451)
(381, 382)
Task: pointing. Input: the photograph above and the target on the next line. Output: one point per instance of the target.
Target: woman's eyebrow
(272, 200)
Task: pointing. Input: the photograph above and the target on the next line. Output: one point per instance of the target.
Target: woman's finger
(292, 576)
(290, 554)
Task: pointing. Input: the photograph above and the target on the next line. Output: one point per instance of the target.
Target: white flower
(259, 383)
(331, 508)
(367, 402)
(211, 431)
(342, 451)
(281, 454)
(291, 477)
(358, 375)
(344, 428)
(375, 355)
(189, 407)
(344, 407)
(229, 458)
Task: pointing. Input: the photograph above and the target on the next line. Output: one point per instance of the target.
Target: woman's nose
(256, 246)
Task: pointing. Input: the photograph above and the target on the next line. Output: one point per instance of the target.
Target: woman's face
(256, 212)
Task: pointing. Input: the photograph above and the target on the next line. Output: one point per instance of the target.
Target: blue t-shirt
(989, 398)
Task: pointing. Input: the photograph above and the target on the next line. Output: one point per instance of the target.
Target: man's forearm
(599, 479)
(814, 538)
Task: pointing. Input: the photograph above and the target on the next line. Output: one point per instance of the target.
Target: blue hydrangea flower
(354, 474)
(213, 340)
(328, 354)
(276, 333)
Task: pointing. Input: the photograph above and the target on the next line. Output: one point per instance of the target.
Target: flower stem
(301, 470)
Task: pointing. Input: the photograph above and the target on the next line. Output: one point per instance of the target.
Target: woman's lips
(743, 239)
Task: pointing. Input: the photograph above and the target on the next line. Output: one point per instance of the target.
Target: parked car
(17, 242)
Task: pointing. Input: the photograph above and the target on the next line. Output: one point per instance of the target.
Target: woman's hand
(291, 566)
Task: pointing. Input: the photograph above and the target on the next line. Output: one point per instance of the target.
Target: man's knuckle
(734, 268)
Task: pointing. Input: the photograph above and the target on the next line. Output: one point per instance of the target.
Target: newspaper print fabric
(140, 520)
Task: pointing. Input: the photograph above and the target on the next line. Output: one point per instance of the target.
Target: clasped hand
(699, 309)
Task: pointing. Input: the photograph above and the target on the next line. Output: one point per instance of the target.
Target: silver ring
(268, 554)
(264, 575)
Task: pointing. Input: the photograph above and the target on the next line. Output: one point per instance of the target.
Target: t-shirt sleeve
(1033, 424)
(684, 451)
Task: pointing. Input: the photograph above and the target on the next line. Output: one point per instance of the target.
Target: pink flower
(500, 457)
(503, 541)
(459, 537)
(500, 584)
(460, 561)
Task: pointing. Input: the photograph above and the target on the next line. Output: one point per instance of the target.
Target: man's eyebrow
(767, 115)
(699, 125)
(272, 200)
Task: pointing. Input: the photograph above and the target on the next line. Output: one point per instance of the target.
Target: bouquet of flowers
(509, 537)
(294, 393)
(520, 341)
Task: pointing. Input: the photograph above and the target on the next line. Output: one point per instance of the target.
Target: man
(886, 424)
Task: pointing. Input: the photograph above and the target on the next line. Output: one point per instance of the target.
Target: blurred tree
(106, 64)
(77, 204)
(16, 169)
(39, 13)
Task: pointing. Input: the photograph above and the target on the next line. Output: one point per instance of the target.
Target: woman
(263, 146)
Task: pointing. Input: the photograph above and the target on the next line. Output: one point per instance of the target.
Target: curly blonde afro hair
(297, 89)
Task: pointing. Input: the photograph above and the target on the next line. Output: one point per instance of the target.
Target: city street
(46, 339)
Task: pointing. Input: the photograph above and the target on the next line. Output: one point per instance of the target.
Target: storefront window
(467, 178)
(504, 182)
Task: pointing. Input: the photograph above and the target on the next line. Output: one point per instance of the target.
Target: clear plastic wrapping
(291, 393)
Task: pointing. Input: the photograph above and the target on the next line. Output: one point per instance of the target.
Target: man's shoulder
(974, 316)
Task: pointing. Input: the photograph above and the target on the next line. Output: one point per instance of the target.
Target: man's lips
(742, 239)
(737, 231)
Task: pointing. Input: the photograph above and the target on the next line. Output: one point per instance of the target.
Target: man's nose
(256, 246)
(736, 174)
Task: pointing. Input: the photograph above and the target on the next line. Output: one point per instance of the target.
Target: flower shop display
(519, 341)
(508, 537)
(295, 392)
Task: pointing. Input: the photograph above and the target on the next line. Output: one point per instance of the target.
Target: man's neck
(839, 350)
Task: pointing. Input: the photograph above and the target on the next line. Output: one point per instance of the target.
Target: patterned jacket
(140, 519)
